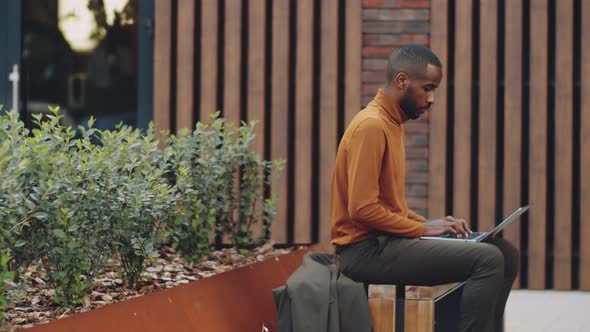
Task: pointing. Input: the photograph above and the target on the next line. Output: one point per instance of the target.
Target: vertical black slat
(268, 94)
(292, 119)
(526, 76)
(577, 143)
(316, 120)
(400, 308)
(268, 81)
(244, 66)
(174, 38)
(500, 111)
(243, 102)
(474, 194)
(584, 152)
(197, 61)
(220, 83)
(450, 105)
(221, 55)
(550, 226)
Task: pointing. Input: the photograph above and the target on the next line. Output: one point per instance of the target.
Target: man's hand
(445, 225)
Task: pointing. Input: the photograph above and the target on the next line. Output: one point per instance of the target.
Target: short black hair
(411, 59)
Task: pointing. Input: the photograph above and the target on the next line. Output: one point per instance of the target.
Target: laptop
(481, 236)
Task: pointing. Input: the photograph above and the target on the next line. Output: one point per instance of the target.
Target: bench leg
(382, 306)
(419, 315)
(383, 314)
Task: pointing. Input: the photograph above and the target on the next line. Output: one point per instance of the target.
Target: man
(376, 235)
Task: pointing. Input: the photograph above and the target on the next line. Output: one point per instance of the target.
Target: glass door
(85, 56)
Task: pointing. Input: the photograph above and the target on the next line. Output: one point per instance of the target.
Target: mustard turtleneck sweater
(368, 184)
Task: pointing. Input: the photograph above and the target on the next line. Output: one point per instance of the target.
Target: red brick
(417, 165)
(416, 153)
(374, 64)
(388, 24)
(367, 99)
(416, 127)
(424, 117)
(416, 190)
(417, 177)
(414, 3)
(417, 203)
(370, 89)
(395, 15)
(381, 52)
(373, 77)
(373, 3)
(396, 4)
(416, 140)
(396, 27)
(393, 40)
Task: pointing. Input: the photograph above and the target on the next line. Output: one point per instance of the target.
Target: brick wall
(386, 25)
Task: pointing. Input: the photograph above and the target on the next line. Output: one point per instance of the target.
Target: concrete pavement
(548, 311)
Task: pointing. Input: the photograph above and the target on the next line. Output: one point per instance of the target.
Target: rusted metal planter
(234, 301)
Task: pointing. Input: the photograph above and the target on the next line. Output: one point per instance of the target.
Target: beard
(409, 105)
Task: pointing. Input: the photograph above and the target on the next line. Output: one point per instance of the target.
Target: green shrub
(63, 219)
(220, 183)
(13, 160)
(140, 201)
(253, 208)
(193, 228)
(6, 277)
(80, 200)
(71, 200)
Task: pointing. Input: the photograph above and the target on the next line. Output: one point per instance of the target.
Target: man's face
(419, 94)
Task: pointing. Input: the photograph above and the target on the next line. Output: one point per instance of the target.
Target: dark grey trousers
(489, 269)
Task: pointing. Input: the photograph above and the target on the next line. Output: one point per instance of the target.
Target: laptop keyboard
(471, 236)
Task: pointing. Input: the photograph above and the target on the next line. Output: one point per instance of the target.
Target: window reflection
(82, 56)
(84, 25)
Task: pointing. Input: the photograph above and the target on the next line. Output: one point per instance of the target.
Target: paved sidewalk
(548, 311)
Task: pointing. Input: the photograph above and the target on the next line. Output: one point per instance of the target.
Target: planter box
(234, 301)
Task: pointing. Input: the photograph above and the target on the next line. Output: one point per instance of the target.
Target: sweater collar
(393, 110)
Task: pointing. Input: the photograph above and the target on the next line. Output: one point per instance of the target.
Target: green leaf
(40, 215)
(20, 243)
(59, 233)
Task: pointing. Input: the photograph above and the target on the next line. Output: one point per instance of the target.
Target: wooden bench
(406, 308)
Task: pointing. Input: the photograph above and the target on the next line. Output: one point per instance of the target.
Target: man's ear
(401, 81)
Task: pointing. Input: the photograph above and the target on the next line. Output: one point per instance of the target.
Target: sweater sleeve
(415, 216)
(365, 153)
